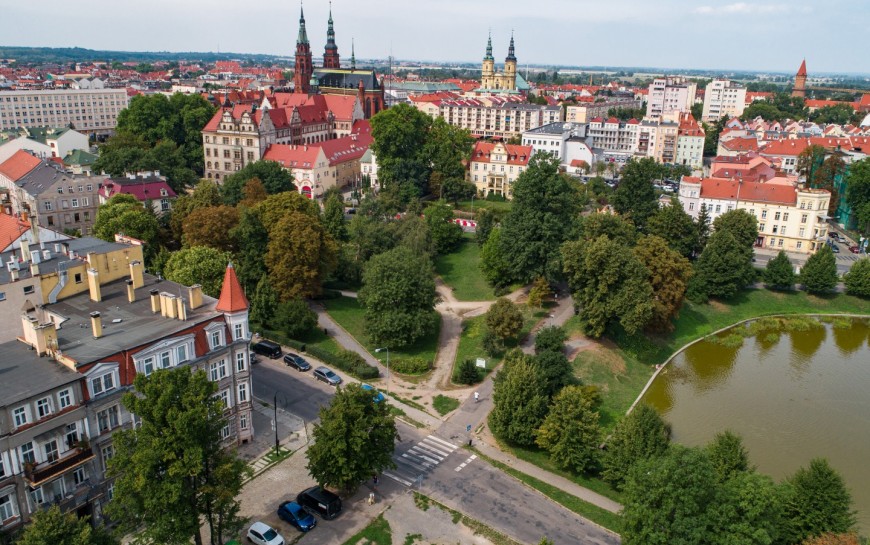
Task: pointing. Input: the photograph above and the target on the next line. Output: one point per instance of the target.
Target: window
(108, 453)
(181, 353)
(799, 244)
(2, 474)
(216, 339)
(77, 278)
(243, 392)
(7, 508)
(804, 218)
(148, 365)
(43, 407)
(764, 214)
(225, 432)
(85, 201)
(776, 216)
(89, 187)
(785, 216)
(47, 206)
(780, 242)
(64, 399)
(238, 331)
(108, 418)
(79, 476)
(37, 496)
(243, 421)
(240, 362)
(760, 227)
(224, 396)
(50, 449)
(72, 435)
(164, 360)
(782, 231)
(28, 290)
(20, 416)
(75, 203)
(218, 370)
(691, 206)
(718, 208)
(27, 455)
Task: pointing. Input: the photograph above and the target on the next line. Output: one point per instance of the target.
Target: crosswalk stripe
(433, 461)
(397, 478)
(427, 451)
(422, 465)
(450, 446)
(435, 448)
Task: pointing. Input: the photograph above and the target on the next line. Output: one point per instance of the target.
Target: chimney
(96, 325)
(195, 295)
(13, 275)
(94, 285)
(136, 274)
(34, 269)
(131, 291)
(171, 306)
(155, 301)
(182, 310)
(163, 304)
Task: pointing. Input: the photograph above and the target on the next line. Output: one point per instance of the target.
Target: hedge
(410, 366)
(346, 360)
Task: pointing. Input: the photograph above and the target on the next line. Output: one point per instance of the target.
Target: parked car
(378, 396)
(296, 361)
(295, 514)
(855, 249)
(263, 534)
(835, 248)
(326, 375)
(323, 502)
(268, 349)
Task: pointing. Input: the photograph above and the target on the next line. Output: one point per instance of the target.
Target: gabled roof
(293, 156)
(339, 150)
(516, 155)
(741, 144)
(143, 188)
(718, 188)
(11, 229)
(232, 297)
(18, 165)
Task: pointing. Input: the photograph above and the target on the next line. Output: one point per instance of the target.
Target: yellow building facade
(490, 79)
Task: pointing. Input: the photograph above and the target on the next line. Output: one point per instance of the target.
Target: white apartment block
(723, 97)
(612, 135)
(89, 111)
(586, 111)
(492, 118)
(789, 218)
(670, 95)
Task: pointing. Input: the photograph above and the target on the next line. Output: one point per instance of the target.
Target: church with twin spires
(331, 78)
(501, 81)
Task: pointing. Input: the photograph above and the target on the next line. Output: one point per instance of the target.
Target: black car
(296, 361)
(268, 349)
(323, 502)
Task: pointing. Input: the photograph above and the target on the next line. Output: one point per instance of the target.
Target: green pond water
(792, 396)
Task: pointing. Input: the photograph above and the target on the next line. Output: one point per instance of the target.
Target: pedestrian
(476, 397)
(375, 479)
(371, 498)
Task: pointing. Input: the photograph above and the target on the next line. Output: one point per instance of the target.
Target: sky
(768, 35)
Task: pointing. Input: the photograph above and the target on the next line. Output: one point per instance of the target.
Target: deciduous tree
(51, 526)
(198, 265)
(635, 196)
(486, 222)
(858, 278)
(616, 228)
(610, 284)
(728, 455)
(819, 273)
(570, 432)
(301, 254)
(519, 403)
(400, 136)
(668, 275)
(251, 241)
(398, 294)
(211, 227)
(272, 175)
(125, 215)
(551, 338)
(675, 226)
(333, 218)
(543, 216)
(555, 369)
(779, 273)
(294, 318)
(504, 319)
(264, 303)
(816, 502)
(741, 224)
(747, 510)
(640, 435)
(445, 233)
(722, 269)
(858, 192)
(493, 264)
(353, 440)
(171, 471)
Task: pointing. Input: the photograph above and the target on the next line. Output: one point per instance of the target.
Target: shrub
(410, 366)
(492, 345)
(346, 360)
(468, 373)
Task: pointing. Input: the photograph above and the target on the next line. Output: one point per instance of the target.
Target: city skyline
(750, 35)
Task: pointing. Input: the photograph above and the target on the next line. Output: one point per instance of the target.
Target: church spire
(352, 56)
(330, 52)
(511, 56)
(488, 56)
(303, 35)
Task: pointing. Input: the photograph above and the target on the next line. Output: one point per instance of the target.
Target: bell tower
(800, 81)
(304, 67)
(330, 52)
(488, 69)
(510, 67)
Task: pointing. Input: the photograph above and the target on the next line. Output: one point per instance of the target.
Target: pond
(794, 389)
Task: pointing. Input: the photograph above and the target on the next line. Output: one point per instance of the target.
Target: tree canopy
(819, 273)
(543, 216)
(635, 196)
(668, 276)
(171, 471)
(198, 265)
(858, 192)
(504, 319)
(675, 226)
(353, 439)
(858, 278)
(125, 214)
(640, 435)
(816, 502)
(570, 432)
(274, 177)
(51, 526)
(519, 403)
(779, 273)
(300, 256)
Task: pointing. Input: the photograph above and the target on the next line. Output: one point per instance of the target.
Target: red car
(854, 249)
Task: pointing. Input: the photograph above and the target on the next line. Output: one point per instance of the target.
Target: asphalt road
(845, 259)
(429, 463)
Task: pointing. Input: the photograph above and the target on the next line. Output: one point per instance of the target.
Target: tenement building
(89, 111)
(89, 320)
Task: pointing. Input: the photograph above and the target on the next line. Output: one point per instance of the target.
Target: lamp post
(388, 366)
(276, 424)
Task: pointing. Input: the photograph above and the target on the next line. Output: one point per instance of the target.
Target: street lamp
(388, 366)
(276, 425)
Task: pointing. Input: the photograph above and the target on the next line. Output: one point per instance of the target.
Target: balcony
(40, 473)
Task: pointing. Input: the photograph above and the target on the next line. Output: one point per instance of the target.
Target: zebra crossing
(413, 464)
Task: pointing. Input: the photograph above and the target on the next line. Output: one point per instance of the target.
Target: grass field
(502, 207)
(378, 532)
(444, 404)
(473, 329)
(461, 271)
(351, 316)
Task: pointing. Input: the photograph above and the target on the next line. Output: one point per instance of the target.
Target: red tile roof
(292, 156)
(342, 107)
(232, 297)
(141, 188)
(347, 148)
(19, 164)
(802, 71)
(517, 155)
(11, 229)
(718, 188)
(741, 144)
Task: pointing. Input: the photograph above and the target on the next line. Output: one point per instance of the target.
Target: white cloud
(745, 8)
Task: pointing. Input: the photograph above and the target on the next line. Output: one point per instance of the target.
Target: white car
(263, 534)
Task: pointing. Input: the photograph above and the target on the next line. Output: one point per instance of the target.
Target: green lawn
(351, 316)
(378, 532)
(444, 404)
(502, 207)
(473, 329)
(460, 270)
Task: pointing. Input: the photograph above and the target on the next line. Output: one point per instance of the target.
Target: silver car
(327, 375)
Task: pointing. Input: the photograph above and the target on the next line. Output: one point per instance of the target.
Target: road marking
(466, 462)
(420, 459)
(450, 446)
(396, 478)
